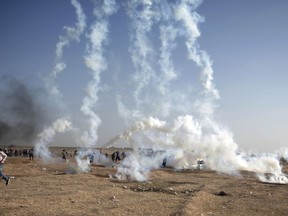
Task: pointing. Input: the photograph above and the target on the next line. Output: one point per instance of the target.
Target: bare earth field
(47, 189)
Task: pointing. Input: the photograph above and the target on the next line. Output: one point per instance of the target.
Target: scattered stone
(222, 193)
(114, 199)
(125, 187)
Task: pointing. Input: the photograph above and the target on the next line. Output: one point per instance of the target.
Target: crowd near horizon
(65, 153)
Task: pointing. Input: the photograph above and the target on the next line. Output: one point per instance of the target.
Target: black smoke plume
(21, 112)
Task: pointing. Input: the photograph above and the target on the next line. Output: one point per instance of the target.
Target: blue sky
(246, 40)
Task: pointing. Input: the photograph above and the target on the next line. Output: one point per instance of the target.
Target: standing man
(3, 157)
(31, 154)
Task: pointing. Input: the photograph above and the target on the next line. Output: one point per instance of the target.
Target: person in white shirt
(3, 157)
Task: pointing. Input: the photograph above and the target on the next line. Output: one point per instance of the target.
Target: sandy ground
(47, 189)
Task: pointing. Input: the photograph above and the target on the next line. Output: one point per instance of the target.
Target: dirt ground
(47, 189)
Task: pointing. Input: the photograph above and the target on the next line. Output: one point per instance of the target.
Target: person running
(3, 157)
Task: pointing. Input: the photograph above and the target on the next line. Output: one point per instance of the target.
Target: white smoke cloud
(188, 139)
(180, 143)
(283, 153)
(46, 137)
(143, 125)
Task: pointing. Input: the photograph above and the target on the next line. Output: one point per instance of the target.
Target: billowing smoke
(86, 157)
(283, 154)
(46, 137)
(21, 112)
(185, 142)
(139, 126)
(189, 138)
(166, 126)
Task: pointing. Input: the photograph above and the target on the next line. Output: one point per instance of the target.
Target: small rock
(222, 193)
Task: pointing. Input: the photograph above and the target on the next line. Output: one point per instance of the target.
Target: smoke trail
(60, 125)
(143, 125)
(95, 61)
(46, 137)
(168, 35)
(190, 21)
(189, 139)
(71, 34)
(142, 14)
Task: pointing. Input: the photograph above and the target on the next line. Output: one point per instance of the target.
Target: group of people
(19, 152)
(116, 156)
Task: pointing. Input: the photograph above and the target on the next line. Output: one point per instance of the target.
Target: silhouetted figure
(117, 158)
(31, 154)
(64, 154)
(113, 156)
(164, 162)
